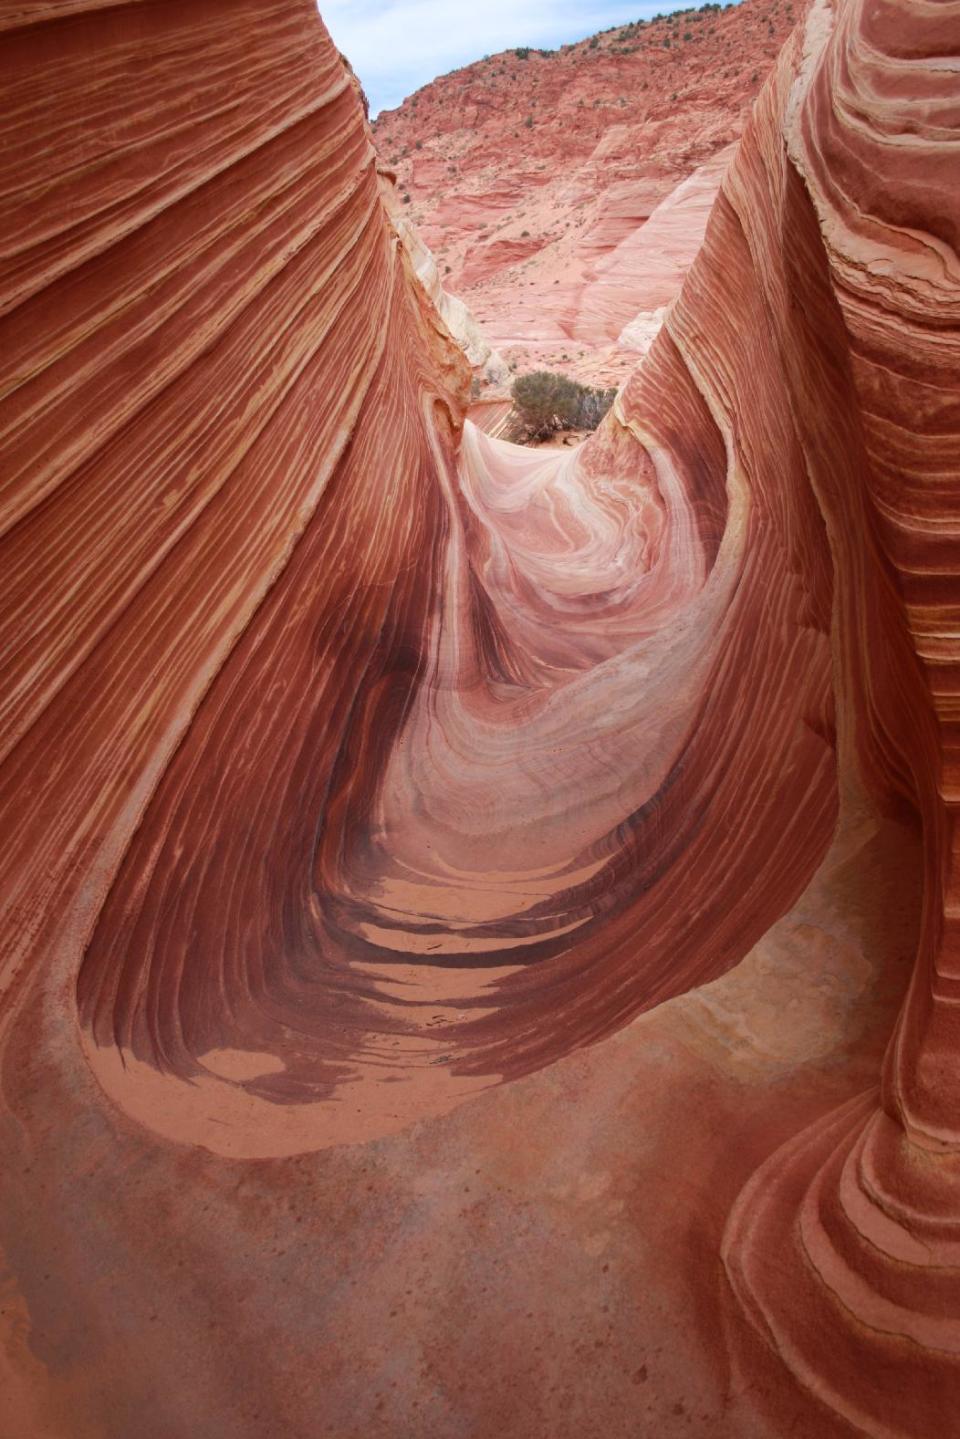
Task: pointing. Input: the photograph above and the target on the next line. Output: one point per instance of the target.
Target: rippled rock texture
(459, 899)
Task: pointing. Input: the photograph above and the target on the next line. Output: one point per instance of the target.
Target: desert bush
(522, 52)
(544, 402)
(594, 404)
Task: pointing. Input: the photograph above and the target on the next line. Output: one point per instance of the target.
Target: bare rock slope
(532, 176)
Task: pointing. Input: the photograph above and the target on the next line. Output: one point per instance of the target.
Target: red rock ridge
(527, 176)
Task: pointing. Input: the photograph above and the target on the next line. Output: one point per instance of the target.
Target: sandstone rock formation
(458, 899)
(533, 175)
(490, 370)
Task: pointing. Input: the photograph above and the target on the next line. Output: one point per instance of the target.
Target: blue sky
(396, 46)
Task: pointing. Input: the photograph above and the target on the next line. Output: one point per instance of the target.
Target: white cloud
(395, 46)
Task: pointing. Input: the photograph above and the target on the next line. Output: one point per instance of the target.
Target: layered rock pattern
(864, 1211)
(356, 762)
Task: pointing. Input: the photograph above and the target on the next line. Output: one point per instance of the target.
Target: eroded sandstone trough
(478, 952)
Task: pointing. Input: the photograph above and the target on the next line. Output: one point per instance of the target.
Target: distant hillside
(527, 167)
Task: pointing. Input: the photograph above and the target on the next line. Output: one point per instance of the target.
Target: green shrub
(594, 404)
(544, 402)
(522, 52)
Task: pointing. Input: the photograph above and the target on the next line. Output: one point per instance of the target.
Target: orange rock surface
(478, 922)
(533, 179)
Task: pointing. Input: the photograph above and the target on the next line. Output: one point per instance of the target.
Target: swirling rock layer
(355, 762)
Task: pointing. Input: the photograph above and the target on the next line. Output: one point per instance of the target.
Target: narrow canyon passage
(478, 920)
(468, 791)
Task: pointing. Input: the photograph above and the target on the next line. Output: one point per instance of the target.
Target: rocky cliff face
(534, 175)
(357, 766)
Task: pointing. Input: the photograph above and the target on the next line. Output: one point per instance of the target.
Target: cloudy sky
(396, 46)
